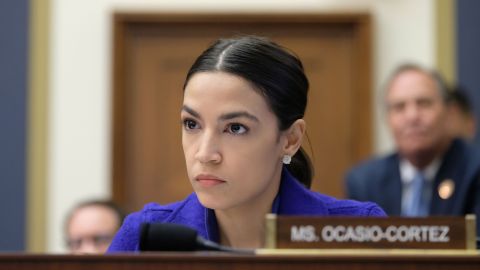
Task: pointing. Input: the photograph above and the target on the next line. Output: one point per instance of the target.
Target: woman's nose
(208, 149)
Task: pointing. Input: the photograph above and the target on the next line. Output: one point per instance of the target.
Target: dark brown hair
(275, 72)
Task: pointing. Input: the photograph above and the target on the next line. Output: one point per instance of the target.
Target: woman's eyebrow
(191, 111)
(223, 117)
(232, 115)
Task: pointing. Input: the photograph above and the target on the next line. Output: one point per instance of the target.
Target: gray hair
(442, 87)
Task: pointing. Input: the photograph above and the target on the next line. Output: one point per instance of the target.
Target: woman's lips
(209, 180)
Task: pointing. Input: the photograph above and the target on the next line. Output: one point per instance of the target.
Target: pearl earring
(287, 159)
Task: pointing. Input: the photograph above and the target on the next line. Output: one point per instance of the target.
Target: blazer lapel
(452, 169)
(294, 199)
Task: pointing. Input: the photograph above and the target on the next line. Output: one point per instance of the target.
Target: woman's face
(231, 141)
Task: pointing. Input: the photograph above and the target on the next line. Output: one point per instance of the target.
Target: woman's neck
(244, 226)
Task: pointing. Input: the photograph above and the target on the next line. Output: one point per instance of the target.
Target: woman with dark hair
(242, 115)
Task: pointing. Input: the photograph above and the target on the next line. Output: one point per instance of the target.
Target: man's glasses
(95, 240)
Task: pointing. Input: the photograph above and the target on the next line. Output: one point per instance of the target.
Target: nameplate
(302, 232)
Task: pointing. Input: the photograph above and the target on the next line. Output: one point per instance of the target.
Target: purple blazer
(292, 199)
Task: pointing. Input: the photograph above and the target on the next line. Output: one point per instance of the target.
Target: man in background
(461, 120)
(431, 173)
(91, 225)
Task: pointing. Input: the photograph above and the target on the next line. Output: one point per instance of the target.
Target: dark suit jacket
(378, 181)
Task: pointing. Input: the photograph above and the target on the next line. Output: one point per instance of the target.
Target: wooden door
(152, 54)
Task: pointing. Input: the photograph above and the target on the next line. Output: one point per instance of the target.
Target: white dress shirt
(408, 172)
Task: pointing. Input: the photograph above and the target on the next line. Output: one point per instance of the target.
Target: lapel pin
(446, 188)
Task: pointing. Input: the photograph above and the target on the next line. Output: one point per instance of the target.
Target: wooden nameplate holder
(302, 232)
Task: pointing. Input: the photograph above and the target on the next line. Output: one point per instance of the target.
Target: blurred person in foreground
(91, 225)
(431, 172)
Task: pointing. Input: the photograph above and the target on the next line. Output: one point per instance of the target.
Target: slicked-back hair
(275, 72)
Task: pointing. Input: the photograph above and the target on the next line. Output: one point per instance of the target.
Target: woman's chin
(211, 202)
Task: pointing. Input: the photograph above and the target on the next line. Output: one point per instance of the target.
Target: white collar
(408, 171)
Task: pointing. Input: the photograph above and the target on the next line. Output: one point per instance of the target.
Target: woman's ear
(294, 135)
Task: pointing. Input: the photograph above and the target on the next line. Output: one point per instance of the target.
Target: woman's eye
(237, 129)
(190, 124)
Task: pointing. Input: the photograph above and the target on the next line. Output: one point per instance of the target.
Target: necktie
(419, 201)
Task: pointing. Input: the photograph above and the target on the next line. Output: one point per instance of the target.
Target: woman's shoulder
(296, 199)
(154, 212)
(127, 237)
(339, 207)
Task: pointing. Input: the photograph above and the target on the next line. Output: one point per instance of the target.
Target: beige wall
(80, 74)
